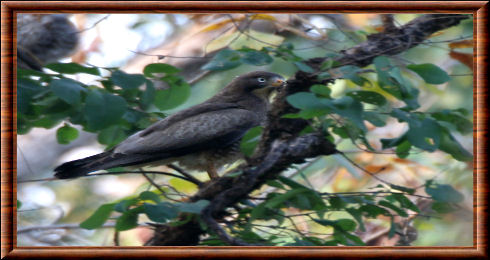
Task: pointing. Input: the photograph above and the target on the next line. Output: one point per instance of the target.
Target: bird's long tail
(96, 162)
(82, 167)
(102, 161)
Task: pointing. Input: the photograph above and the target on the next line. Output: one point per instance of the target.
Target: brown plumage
(203, 137)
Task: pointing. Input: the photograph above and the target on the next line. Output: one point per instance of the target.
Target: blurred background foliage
(106, 91)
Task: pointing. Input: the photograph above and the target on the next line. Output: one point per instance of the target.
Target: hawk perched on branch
(203, 137)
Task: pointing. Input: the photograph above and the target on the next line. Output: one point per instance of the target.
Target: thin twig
(187, 175)
(116, 237)
(193, 180)
(218, 230)
(95, 24)
(373, 174)
(248, 35)
(150, 180)
(163, 56)
(59, 226)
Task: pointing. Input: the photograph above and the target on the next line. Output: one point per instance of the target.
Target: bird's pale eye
(261, 80)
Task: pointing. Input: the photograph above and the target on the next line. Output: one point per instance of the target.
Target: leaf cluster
(115, 106)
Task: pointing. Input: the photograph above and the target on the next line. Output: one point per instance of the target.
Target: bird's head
(259, 83)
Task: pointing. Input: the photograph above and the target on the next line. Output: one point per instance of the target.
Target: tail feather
(81, 167)
(96, 162)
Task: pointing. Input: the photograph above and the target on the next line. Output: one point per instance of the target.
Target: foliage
(121, 104)
(147, 202)
(115, 111)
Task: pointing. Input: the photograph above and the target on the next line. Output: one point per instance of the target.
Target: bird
(44, 38)
(203, 137)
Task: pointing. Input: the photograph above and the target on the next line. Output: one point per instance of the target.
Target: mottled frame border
(9, 248)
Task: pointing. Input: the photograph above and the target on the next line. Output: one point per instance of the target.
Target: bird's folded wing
(181, 115)
(189, 134)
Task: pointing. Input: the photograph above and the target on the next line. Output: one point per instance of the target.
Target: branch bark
(281, 144)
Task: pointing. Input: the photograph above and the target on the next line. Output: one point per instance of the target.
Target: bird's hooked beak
(276, 81)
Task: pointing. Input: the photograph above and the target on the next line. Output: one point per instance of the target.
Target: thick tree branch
(395, 40)
(281, 144)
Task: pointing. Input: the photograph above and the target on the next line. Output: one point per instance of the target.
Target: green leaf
(250, 140)
(193, 207)
(160, 212)
(423, 133)
(250, 236)
(403, 149)
(405, 202)
(72, 68)
(125, 204)
(276, 184)
(451, 146)
(443, 207)
(327, 64)
(112, 135)
(392, 142)
(301, 202)
(340, 224)
(389, 205)
(160, 68)
(278, 201)
(129, 219)
(456, 118)
(307, 113)
(443, 193)
(99, 217)
(386, 81)
(67, 89)
(357, 216)
(392, 230)
(48, 121)
(325, 222)
(149, 195)
(357, 241)
(148, 96)
(26, 90)
(402, 188)
(374, 118)
(127, 81)
(257, 58)
(431, 73)
(19, 204)
(103, 109)
(346, 224)
(351, 109)
(27, 73)
(66, 134)
(172, 97)
(303, 67)
(361, 81)
(339, 236)
(321, 90)
(345, 106)
(391, 81)
(373, 210)
(350, 72)
(291, 183)
(261, 212)
(305, 100)
(224, 60)
(134, 116)
(368, 97)
(336, 202)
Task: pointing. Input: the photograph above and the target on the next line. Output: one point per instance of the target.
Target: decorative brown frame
(479, 9)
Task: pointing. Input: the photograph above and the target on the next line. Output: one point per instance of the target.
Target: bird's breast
(218, 157)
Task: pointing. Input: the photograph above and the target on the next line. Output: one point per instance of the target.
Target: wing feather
(192, 133)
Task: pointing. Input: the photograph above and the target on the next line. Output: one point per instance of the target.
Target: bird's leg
(212, 172)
